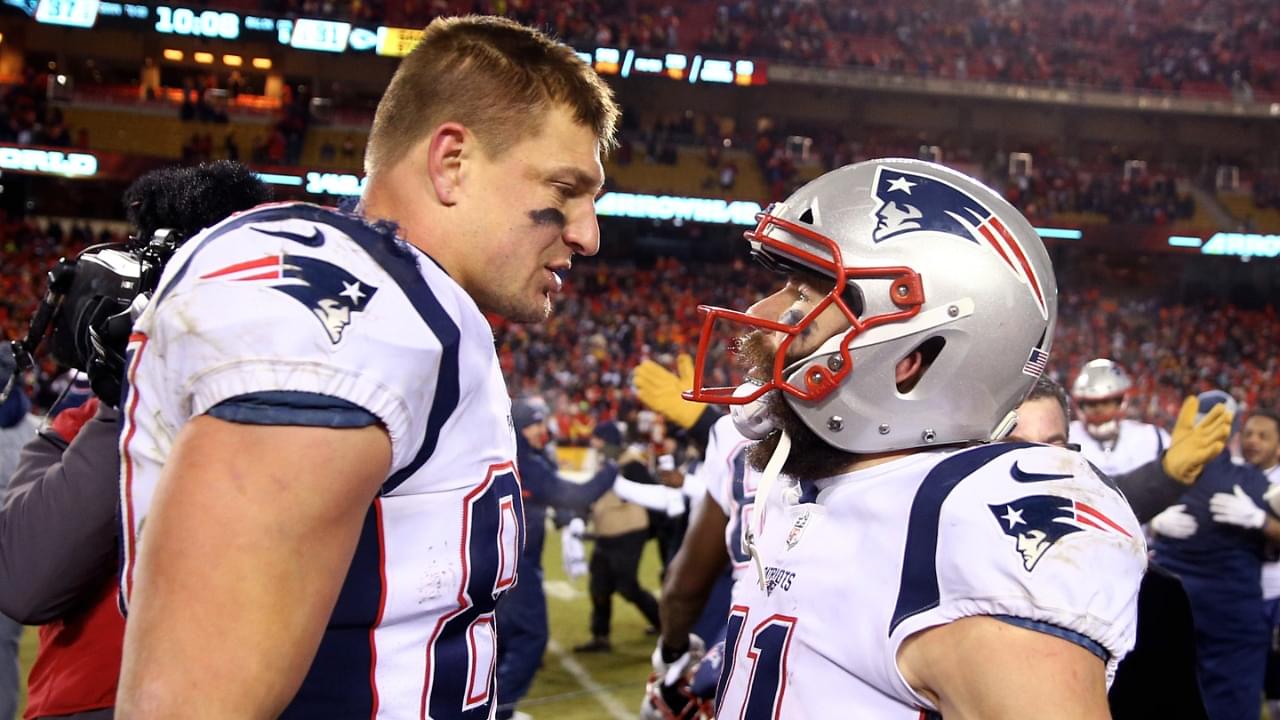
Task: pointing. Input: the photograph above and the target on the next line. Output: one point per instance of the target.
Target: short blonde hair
(495, 77)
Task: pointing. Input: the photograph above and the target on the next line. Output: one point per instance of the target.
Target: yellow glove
(1195, 443)
(660, 390)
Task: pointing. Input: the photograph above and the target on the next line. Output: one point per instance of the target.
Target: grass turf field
(569, 686)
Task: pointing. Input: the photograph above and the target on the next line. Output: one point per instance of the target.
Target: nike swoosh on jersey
(316, 239)
(1023, 476)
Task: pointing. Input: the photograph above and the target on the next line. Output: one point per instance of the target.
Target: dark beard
(811, 458)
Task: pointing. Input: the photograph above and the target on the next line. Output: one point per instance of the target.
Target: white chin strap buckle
(751, 419)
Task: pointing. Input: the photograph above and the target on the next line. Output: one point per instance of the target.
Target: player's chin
(544, 308)
(534, 309)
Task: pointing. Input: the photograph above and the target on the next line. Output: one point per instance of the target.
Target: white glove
(572, 552)
(1272, 496)
(1237, 508)
(1175, 522)
(667, 692)
(669, 672)
(675, 503)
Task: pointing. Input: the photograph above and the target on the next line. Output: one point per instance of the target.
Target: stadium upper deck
(153, 82)
(1219, 48)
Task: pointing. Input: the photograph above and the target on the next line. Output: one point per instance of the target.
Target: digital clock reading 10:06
(205, 23)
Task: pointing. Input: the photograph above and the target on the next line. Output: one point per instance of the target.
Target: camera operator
(58, 526)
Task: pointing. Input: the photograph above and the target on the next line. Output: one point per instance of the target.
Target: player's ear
(445, 149)
(908, 371)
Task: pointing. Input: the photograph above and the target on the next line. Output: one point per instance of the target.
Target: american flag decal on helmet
(1036, 362)
(909, 202)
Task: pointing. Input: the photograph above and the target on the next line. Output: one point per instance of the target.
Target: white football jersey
(731, 483)
(856, 564)
(301, 315)
(1137, 444)
(1271, 570)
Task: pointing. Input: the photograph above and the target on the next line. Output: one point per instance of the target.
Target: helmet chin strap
(751, 419)
(772, 470)
(1005, 427)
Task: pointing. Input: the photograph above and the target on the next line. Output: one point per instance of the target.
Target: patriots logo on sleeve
(907, 203)
(1036, 522)
(331, 293)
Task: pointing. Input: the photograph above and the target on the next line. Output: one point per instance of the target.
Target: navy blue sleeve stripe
(291, 407)
(918, 591)
(1059, 632)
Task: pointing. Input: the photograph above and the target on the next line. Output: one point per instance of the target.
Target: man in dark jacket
(522, 615)
(1220, 567)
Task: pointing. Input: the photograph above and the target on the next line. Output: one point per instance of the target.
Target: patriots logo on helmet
(1036, 522)
(908, 202)
(331, 293)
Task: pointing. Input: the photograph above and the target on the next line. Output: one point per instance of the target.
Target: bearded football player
(905, 562)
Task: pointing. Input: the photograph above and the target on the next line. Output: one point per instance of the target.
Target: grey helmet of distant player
(903, 241)
(1101, 391)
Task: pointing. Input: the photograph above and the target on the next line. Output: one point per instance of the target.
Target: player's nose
(582, 233)
(770, 307)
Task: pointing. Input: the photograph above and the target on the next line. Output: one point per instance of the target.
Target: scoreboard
(333, 36)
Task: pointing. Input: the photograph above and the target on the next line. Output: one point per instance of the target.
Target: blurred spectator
(611, 315)
(522, 615)
(230, 147)
(1220, 567)
(16, 428)
(621, 531)
(1179, 46)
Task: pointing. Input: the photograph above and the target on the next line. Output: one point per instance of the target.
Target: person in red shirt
(58, 562)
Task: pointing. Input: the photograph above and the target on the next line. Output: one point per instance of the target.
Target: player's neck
(385, 198)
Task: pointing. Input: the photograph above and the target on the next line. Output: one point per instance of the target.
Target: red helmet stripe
(1022, 259)
(995, 244)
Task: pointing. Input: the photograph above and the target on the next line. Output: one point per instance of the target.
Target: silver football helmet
(923, 258)
(1099, 382)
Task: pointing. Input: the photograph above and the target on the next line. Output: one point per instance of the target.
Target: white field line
(560, 590)
(588, 683)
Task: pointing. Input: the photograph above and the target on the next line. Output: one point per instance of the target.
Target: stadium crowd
(614, 314)
(1098, 183)
(27, 119)
(1266, 190)
(1089, 178)
(1137, 44)
(1170, 46)
(1192, 47)
(617, 311)
(29, 254)
(1107, 189)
